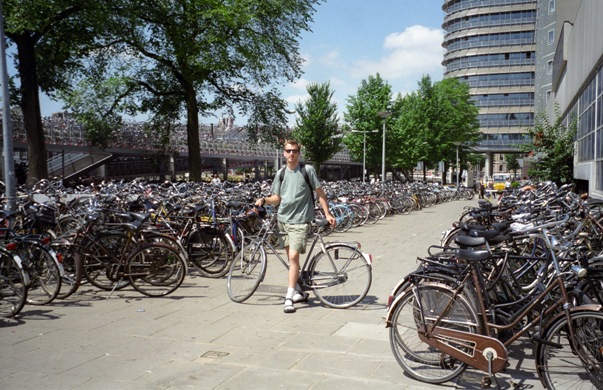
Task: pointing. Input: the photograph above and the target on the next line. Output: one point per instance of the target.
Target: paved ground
(197, 338)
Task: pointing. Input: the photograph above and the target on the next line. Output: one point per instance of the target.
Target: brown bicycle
(438, 329)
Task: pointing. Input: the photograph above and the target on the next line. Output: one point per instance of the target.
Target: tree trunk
(30, 105)
(192, 131)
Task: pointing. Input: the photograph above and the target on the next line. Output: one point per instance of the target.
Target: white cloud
(299, 84)
(294, 99)
(415, 51)
(332, 58)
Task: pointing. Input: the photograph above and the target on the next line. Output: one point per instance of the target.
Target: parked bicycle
(339, 274)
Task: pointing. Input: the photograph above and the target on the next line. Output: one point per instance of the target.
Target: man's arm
(272, 200)
(322, 199)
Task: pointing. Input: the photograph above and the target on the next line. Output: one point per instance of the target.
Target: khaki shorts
(296, 236)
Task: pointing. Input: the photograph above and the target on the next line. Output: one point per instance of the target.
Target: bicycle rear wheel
(13, 291)
(563, 364)
(418, 359)
(44, 274)
(156, 269)
(72, 267)
(100, 258)
(210, 252)
(246, 271)
(342, 277)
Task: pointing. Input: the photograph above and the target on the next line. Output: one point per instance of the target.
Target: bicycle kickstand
(487, 380)
(113, 289)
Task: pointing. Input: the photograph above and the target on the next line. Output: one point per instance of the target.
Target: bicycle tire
(156, 269)
(72, 270)
(341, 278)
(43, 271)
(418, 359)
(563, 364)
(210, 252)
(246, 271)
(13, 289)
(98, 264)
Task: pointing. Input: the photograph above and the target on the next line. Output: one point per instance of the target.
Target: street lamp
(457, 144)
(364, 133)
(383, 115)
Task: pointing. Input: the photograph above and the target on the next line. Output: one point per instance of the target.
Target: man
(296, 210)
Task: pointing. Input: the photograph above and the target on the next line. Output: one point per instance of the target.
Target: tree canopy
(424, 127)
(173, 58)
(317, 125)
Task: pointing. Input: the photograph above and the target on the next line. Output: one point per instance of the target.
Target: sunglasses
(292, 151)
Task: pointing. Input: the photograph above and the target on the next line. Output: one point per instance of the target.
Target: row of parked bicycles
(529, 269)
(114, 235)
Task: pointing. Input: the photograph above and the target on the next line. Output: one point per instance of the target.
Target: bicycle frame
(305, 281)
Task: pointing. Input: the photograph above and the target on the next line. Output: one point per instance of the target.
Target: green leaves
(552, 150)
(317, 125)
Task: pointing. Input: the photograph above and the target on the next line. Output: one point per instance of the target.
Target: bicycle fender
(591, 307)
(19, 262)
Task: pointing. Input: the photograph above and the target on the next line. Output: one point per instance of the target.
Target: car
(501, 181)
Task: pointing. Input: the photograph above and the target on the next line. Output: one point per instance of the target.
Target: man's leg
(293, 257)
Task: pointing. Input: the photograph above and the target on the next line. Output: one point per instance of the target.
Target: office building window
(551, 37)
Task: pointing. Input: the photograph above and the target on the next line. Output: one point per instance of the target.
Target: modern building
(491, 44)
(577, 85)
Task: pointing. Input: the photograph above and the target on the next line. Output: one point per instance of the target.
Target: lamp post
(457, 144)
(383, 115)
(364, 133)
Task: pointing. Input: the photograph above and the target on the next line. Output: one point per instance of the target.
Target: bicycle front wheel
(13, 291)
(156, 269)
(246, 271)
(417, 358)
(341, 277)
(578, 364)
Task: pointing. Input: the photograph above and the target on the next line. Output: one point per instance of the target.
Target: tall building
(577, 85)
(490, 44)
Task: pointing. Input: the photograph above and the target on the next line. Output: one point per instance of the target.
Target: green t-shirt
(296, 198)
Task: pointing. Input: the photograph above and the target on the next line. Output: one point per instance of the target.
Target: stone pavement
(197, 338)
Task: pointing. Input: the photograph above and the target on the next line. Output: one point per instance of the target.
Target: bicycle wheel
(418, 359)
(155, 269)
(246, 271)
(100, 259)
(210, 252)
(374, 212)
(341, 278)
(44, 274)
(563, 364)
(72, 269)
(13, 290)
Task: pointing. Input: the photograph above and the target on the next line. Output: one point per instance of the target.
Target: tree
(51, 37)
(430, 122)
(513, 163)
(317, 125)
(207, 55)
(373, 96)
(552, 149)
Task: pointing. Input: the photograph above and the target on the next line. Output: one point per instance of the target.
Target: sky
(352, 40)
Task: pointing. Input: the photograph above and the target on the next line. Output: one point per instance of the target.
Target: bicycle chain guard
(470, 348)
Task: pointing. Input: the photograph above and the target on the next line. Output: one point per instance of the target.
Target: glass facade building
(577, 86)
(491, 45)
